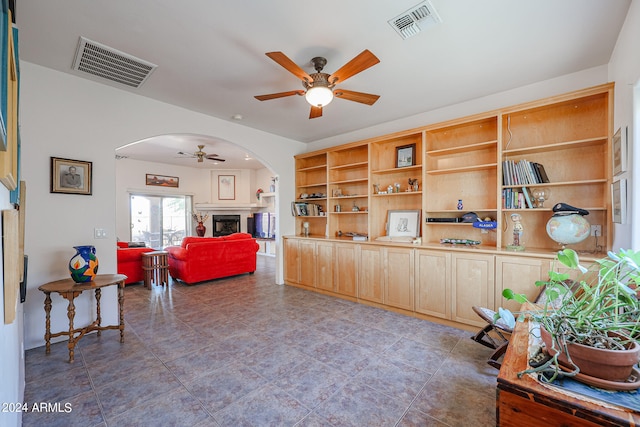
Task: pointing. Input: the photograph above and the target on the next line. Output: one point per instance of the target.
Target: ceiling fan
(201, 155)
(320, 87)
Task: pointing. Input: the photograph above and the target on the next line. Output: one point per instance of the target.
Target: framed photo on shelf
(404, 223)
(226, 187)
(619, 146)
(70, 176)
(162, 180)
(406, 156)
(619, 201)
(301, 209)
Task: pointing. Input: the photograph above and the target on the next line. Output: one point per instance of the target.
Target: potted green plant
(599, 314)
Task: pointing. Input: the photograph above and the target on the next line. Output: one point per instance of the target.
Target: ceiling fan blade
(278, 95)
(215, 158)
(315, 112)
(360, 63)
(361, 97)
(289, 65)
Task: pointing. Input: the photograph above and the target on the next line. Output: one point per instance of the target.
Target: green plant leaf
(569, 257)
(510, 295)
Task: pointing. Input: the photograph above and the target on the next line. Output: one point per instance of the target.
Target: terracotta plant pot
(611, 365)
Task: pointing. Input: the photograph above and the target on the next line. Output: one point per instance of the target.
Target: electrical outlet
(99, 233)
(596, 230)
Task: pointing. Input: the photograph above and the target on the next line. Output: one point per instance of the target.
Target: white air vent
(415, 20)
(111, 64)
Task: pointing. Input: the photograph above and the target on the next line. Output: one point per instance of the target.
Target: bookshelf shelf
(568, 145)
(463, 169)
(463, 149)
(416, 168)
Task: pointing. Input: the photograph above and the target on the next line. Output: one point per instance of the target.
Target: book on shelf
(514, 198)
(523, 172)
(305, 209)
(527, 198)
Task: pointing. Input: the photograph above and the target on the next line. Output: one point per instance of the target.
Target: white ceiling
(210, 55)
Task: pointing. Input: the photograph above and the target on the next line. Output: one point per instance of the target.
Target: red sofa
(205, 258)
(130, 262)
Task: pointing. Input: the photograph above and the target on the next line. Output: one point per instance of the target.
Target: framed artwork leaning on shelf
(403, 223)
(406, 156)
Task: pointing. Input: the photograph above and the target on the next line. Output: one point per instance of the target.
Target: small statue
(518, 231)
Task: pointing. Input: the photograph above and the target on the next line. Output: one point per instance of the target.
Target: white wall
(624, 69)
(66, 116)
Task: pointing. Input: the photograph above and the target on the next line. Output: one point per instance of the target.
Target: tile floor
(243, 351)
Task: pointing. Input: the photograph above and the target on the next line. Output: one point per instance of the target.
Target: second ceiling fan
(320, 87)
(201, 155)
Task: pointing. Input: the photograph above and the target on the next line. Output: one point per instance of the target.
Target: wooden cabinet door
(433, 283)
(370, 277)
(291, 261)
(324, 266)
(399, 278)
(307, 255)
(520, 275)
(472, 283)
(346, 269)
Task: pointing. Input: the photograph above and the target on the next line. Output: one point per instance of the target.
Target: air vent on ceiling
(414, 20)
(111, 64)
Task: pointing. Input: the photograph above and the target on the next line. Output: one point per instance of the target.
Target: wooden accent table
(527, 402)
(156, 268)
(69, 290)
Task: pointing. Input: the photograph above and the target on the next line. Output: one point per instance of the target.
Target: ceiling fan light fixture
(319, 96)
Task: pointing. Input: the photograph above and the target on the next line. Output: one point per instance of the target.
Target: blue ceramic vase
(83, 266)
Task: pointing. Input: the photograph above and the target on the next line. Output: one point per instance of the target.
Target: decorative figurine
(460, 204)
(518, 230)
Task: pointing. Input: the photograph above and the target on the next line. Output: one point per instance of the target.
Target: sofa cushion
(237, 236)
(195, 239)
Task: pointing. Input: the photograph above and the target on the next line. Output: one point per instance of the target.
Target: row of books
(306, 209)
(523, 172)
(514, 198)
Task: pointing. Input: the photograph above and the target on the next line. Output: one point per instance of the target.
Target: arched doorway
(197, 178)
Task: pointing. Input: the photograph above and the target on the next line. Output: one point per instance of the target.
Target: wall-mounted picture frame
(619, 201)
(71, 176)
(619, 146)
(162, 180)
(406, 156)
(405, 223)
(226, 187)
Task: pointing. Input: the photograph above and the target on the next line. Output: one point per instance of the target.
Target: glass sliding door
(159, 221)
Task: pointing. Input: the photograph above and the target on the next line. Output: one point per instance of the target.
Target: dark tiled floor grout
(243, 351)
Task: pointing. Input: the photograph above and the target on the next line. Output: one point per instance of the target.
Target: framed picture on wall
(619, 147)
(162, 180)
(619, 201)
(70, 176)
(226, 187)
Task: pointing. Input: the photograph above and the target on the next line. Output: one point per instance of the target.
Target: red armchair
(130, 262)
(205, 258)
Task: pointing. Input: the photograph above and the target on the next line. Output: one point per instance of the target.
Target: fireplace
(223, 225)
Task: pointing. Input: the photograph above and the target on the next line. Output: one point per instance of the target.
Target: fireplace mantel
(225, 206)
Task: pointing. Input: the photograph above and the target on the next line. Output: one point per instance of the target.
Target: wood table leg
(98, 318)
(47, 315)
(71, 314)
(121, 309)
